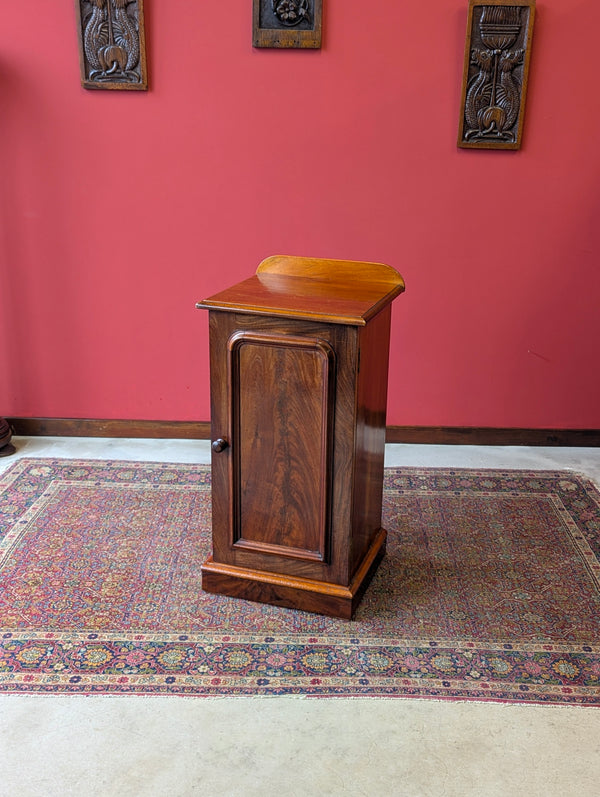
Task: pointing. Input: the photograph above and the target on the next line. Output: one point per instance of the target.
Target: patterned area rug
(490, 590)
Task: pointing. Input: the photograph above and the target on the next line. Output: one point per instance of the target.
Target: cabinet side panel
(282, 419)
(370, 434)
(219, 328)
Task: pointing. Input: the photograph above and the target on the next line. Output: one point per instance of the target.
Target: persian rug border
(138, 662)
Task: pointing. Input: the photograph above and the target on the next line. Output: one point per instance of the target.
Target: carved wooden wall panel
(287, 23)
(496, 67)
(112, 51)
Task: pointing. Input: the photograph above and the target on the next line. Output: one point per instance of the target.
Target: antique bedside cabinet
(299, 368)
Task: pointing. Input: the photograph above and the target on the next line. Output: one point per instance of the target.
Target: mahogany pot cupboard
(299, 369)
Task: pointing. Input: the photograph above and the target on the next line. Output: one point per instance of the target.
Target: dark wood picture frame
(287, 23)
(495, 73)
(112, 44)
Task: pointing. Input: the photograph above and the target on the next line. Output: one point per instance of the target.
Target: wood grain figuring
(370, 433)
(334, 291)
(223, 327)
(330, 270)
(309, 299)
(282, 420)
(295, 593)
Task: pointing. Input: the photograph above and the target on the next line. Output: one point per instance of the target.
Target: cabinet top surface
(336, 291)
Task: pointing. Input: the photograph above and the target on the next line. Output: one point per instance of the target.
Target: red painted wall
(119, 210)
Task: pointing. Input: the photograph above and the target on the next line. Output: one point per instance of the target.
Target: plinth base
(306, 594)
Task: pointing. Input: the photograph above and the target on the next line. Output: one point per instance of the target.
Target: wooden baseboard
(490, 436)
(79, 427)
(200, 430)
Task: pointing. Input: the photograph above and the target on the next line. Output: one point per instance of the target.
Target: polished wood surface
(283, 422)
(306, 594)
(308, 418)
(108, 427)
(332, 271)
(369, 432)
(299, 363)
(334, 291)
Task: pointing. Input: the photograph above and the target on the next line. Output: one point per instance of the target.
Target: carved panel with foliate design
(112, 50)
(496, 68)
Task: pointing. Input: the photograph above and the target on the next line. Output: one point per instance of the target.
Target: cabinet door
(272, 485)
(281, 404)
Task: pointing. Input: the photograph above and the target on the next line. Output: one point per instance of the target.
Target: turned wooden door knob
(219, 445)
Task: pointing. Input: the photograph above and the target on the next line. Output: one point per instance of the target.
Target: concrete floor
(172, 746)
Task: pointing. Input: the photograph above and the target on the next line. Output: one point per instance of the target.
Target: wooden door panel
(282, 390)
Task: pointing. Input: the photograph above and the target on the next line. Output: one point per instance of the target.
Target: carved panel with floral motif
(287, 23)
